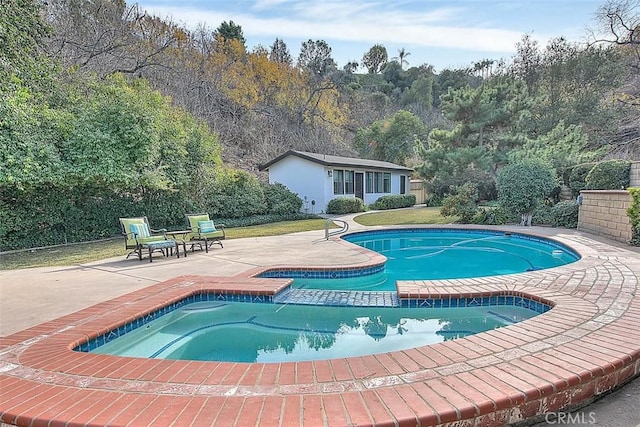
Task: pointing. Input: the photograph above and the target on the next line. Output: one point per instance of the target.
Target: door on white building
(359, 185)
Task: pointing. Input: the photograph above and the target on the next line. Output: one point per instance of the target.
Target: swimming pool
(291, 328)
(256, 332)
(435, 254)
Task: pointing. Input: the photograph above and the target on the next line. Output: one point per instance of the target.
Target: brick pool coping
(587, 345)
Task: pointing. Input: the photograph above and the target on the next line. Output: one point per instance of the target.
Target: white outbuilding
(319, 178)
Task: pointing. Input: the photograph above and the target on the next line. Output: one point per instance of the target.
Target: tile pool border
(588, 345)
(377, 265)
(487, 299)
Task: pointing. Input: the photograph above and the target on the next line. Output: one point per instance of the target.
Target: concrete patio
(588, 345)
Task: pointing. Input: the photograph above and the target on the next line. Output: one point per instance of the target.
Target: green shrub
(542, 216)
(434, 200)
(634, 215)
(493, 215)
(562, 214)
(280, 200)
(484, 182)
(262, 219)
(565, 214)
(523, 186)
(609, 175)
(577, 177)
(345, 205)
(394, 201)
(463, 203)
(236, 194)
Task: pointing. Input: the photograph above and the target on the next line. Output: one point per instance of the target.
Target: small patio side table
(180, 236)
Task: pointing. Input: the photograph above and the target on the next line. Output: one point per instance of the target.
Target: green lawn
(405, 216)
(86, 252)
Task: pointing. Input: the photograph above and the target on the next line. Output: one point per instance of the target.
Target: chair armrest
(134, 236)
(160, 230)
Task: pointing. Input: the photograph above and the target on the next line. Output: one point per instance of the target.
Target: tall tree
(394, 140)
(351, 66)
(315, 57)
(482, 114)
(402, 57)
(527, 61)
(375, 58)
(620, 21)
(280, 52)
(109, 36)
(231, 31)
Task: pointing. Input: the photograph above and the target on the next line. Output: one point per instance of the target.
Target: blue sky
(442, 33)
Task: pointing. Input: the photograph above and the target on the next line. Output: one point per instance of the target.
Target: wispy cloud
(354, 21)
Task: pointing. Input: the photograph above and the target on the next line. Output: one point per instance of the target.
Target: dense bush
(577, 177)
(484, 182)
(562, 214)
(634, 215)
(493, 215)
(280, 200)
(34, 217)
(523, 186)
(463, 203)
(236, 194)
(263, 219)
(609, 175)
(394, 201)
(565, 214)
(345, 205)
(433, 200)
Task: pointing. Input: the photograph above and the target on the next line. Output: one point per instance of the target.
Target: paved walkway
(591, 345)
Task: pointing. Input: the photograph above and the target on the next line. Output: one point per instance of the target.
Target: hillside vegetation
(107, 111)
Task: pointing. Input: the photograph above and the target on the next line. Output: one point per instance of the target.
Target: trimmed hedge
(577, 177)
(609, 175)
(395, 201)
(45, 216)
(345, 205)
(263, 219)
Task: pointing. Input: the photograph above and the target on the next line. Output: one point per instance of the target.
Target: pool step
(337, 298)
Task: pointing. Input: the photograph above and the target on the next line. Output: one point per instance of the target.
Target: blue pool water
(255, 332)
(429, 254)
(358, 312)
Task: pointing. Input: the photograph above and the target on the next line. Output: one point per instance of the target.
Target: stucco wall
(604, 212)
(307, 179)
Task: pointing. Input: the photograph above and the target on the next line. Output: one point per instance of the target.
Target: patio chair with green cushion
(204, 230)
(139, 236)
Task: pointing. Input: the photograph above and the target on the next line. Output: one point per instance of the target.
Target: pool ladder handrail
(344, 229)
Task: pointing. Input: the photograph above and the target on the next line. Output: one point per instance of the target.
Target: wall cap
(604, 192)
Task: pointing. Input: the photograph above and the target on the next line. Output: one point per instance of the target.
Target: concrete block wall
(634, 175)
(604, 212)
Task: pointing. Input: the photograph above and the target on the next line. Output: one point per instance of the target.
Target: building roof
(337, 161)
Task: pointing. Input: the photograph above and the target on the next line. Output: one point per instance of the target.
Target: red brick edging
(588, 344)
